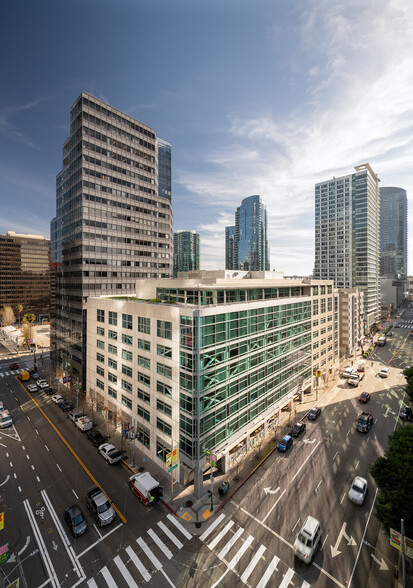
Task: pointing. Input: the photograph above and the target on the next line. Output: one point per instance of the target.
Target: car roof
(74, 509)
(359, 480)
(286, 437)
(310, 525)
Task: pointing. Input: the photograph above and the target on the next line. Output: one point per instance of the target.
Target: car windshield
(356, 488)
(78, 519)
(304, 540)
(104, 507)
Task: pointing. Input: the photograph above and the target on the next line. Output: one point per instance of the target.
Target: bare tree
(7, 316)
(19, 308)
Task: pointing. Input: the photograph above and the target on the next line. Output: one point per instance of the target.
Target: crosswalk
(139, 562)
(10, 373)
(225, 538)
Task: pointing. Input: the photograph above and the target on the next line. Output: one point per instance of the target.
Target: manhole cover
(140, 470)
(198, 525)
(188, 503)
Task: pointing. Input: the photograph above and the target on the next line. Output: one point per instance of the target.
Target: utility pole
(133, 443)
(403, 554)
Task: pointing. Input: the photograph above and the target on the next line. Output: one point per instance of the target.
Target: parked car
(24, 376)
(76, 520)
(99, 505)
(49, 391)
(42, 384)
(285, 443)
(84, 423)
(57, 398)
(314, 413)
(358, 490)
(96, 438)
(34, 375)
(406, 413)
(14, 366)
(6, 420)
(348, 372)
(65, 405)
(298, 429)
(75, 414)
(32, 388)
(110, 453)
(384, 373)
(364, 398)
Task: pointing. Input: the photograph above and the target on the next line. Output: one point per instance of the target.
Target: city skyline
(316, 106)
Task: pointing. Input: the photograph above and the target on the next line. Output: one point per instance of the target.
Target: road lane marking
(335, 455)
(171, 536)
(145, 548)
(179, 526)
(212, 527)
(58, 467)
(160, 544)
(299, 519)
(138, 564)
(91, 583)
(287, 578)
(47, 448)
(362, 539)
(42, 547)
(220, 535)
(269, 571)
(5, 481)
(108, 578)
(342, 498)
(230, 543)
(99, 540)
(325, 539)
(240, 552)
(77, 497)
(250, 568)
(357, 464)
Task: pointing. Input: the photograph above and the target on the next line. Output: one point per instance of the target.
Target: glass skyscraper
(186, 251)
(347, 229)
(250, 251)
(393, 232)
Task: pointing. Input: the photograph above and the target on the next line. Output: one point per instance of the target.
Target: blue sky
(256, 96)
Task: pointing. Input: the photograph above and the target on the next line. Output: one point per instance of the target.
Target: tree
(29, 319)
(393, 474)
(19, 308)
(408, 374)
(7, 316)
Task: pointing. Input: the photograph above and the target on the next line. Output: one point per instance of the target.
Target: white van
(308, 540)
(6, 420)
(348, 372)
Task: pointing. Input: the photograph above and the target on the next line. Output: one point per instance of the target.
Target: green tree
(19, 308)
(29, 319)
(408, 374)
(393, 474)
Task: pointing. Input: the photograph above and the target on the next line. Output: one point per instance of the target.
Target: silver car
(358, 490)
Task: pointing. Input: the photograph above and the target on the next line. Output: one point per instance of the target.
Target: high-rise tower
(393, 232)
(347, 229)
(186, 251)
(113, 218)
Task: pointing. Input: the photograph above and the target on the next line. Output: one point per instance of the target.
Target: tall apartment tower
(250, 243)
(347, 233)
(393, 232)
(186, 251)
(113, 221)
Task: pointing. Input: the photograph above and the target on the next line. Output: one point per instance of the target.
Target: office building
(113, 220)
(186, 251)
(206, 362)
(246, 243)
(393, 232)
(347, 233)
(351, 321)
(25, 273)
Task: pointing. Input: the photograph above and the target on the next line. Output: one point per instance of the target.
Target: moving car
(96, 438)
(298, 429)
(6, 420)
(285, 443)
(364, 398)
(23, 376)
(358, 490)
(57, 398)
(364, 422)
(32, 388)
(406, 413)
(384, 373)
(110, 453)
(308, 540)
(76, 520)
(314, 413)
(14, 366)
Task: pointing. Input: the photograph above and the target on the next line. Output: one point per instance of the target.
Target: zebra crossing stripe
(230, 543)
(108, 577)
(135, 559)
(218, 538)
(248, 571)
(92, 584)
(149, 553)
(171, 536)
(160, 543)
(305, 584)
(240, 552)
(179, 526)
(287, 579)
(212, 527)
(125, 572)
(268, 573)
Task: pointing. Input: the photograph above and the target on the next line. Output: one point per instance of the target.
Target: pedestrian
(371, 364)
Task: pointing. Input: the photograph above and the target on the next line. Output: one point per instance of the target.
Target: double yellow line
(75, 455)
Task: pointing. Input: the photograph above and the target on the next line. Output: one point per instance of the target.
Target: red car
(14, 366)
(365, 397)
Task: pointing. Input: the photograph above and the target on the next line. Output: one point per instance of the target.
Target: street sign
(174, 455)
(396, 539)
(168, 459)
(172, 468)
(4, 552)
(1, 520)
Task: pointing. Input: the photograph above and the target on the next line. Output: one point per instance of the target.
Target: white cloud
(357, 73)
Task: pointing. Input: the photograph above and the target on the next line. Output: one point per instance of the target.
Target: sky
(261, 97)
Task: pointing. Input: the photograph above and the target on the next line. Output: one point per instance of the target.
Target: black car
(314, 413)
(65, 405)
(49, 391)
(96, 438)
(406, 413)
(298, 429)
(76, 520)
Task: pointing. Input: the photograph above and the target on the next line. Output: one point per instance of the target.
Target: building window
(127, 354)
(100, 371)
(162, 426)
(127, 339)
(163, 407)
(315, 307)
(112, 378)
(100, 344)
(142, 435)
(144, 379)
(112, 349)
(100, 357)
(112, 392)
(164, 370)
(113, 318)
(126, 402)
(144, 325)
(164, 389)
(126, 321)
(145, 414)
(144, 362)
(164, 329)
(112, 363)
(164, 351)
(145, 345)
(100, 384)
(127, 370)
(113, 335)
(100, 331)
(142, 395)
(100, 316)
(127, 386)
(162, 451)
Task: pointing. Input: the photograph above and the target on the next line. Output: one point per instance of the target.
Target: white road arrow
(350, 541)
(382, 564)
(269, 491)
(54, 545)
(12, 558)
(308, 441)
(386, 414)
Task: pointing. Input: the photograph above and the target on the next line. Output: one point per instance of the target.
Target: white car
(358, 490)
(110, 453)
(84, 423)
(6, 419)
(42, 384)
(384, 373)
(57, 398)
(32, 388)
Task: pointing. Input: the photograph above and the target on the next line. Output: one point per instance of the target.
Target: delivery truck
(146, 488)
